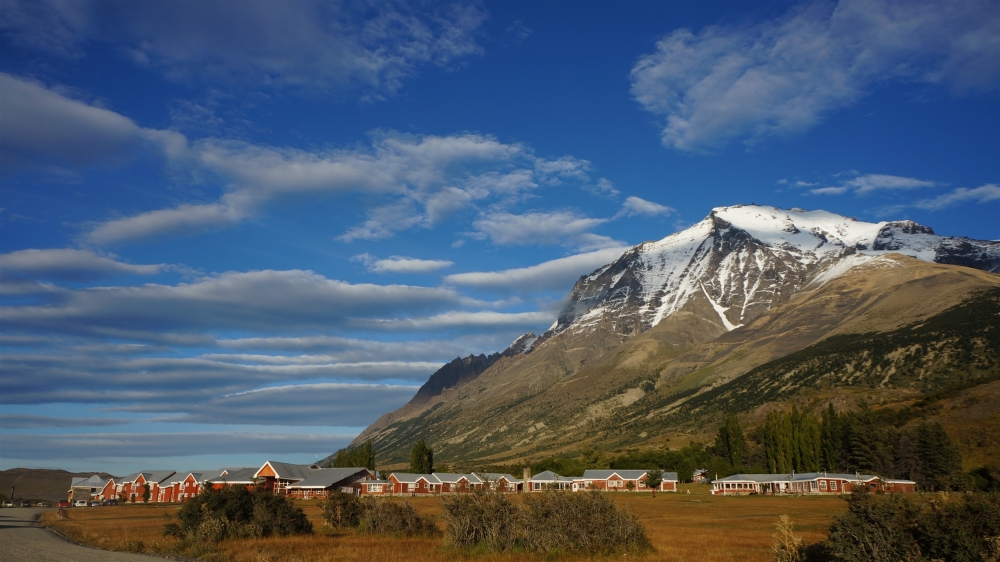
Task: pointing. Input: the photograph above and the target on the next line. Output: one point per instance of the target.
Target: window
(374, 487)
(833, 484)
(822, 484)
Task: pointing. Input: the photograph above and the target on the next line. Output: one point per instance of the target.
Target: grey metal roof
(411, 478)
(605, 474)
(498, 475)
(549, 476)
(235, 476)
(286, 471)
(151, 476)
(93, 481)
(327, 477)
(450, 478)
(798, 477)
(669, 477)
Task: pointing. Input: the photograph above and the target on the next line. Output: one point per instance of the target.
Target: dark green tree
(362, 455)
(809, 442)
(732, 441)
(145, 493)
(940, 460)
(831, 437)
(421, 458)
(778, 443)
(653, 479)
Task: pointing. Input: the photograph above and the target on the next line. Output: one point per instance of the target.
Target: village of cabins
(310, 481)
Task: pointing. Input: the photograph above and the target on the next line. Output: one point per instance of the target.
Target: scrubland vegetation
(680, 527)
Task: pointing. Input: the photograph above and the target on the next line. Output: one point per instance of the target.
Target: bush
(238, 512)
(547, 522)
(389, 517)
(588, 522)
(341, 510)
(957, 527)
(484, 518)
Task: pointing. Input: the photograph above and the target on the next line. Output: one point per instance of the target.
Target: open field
(681, 526)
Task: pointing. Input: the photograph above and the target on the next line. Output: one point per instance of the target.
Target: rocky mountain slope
(646, 342)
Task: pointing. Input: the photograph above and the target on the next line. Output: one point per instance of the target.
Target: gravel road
(22, 541)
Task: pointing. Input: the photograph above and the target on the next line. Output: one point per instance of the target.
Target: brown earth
(40, 483)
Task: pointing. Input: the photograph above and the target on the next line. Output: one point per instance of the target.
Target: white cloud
(39, 124)
(401, 264)
(256, 300)
(164, 445)
(560, 227)
(782, 77)
(551, 275)
(316, 47)
(317, 404)
(868, 183)
(637, 206)
(68, 263)
(982, 194)
(468, 320)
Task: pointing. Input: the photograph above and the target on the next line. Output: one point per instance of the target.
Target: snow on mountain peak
(743, 260)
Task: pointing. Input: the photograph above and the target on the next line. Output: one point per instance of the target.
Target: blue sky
(234, 231)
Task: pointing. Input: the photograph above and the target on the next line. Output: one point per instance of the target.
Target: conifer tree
(832, 439)
(421, 458)
(733, 441)
(362, 455)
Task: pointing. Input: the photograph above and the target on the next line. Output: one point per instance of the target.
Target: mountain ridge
(629, 329)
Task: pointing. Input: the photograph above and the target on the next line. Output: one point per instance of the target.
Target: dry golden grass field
(681, 526)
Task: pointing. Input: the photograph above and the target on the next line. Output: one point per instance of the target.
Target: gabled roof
(606, 474)
(286, 471)
(151, 476)
(410, 478)
(93, 481)
(327, 477)
(549, 476)
(450, 478)
(235, 476)
(493, 476)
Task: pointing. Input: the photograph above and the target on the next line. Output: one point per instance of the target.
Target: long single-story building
(322, 481)
(807, 483)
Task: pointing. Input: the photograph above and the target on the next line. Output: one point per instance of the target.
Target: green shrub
(238, 512)
(484, 518)
(953, 527)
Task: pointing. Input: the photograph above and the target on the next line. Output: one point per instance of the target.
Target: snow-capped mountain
(744, 260)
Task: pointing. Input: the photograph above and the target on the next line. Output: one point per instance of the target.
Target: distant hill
(40, 483)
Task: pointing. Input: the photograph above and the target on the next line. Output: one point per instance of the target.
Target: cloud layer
(309, 46)
(782, 77)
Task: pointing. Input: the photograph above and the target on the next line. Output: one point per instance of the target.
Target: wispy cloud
(982, 194)
(869, 183)
(637, 206)
(66, 263)
(564, 228)
(317, 404)
(551, 275)
(164, 445)
(314, 47)
(401, 264)
(782, 77)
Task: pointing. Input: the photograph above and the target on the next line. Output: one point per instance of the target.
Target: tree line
(845, 442)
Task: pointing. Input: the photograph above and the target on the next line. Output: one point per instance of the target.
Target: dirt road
(22, 541)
